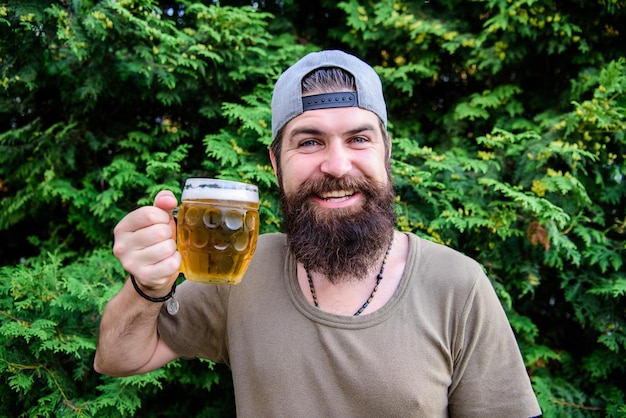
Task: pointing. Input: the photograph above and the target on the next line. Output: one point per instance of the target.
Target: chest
(278, 356)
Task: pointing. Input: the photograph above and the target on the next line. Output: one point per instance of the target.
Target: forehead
(338, 120)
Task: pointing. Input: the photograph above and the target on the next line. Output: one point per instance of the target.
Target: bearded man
(341, 315)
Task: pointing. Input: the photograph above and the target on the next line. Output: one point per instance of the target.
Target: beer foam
(196, 189)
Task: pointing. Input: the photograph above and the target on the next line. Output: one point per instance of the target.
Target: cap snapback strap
(326, 100)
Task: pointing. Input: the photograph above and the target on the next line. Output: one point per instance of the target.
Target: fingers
(142, 218)
(145, 246)
(159, 277)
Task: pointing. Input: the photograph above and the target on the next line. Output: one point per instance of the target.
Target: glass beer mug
(218, 227)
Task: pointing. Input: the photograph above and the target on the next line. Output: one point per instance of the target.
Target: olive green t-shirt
(442, 346)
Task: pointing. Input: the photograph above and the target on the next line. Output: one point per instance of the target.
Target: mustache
(326, 184)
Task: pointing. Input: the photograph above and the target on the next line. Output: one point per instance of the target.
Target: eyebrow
(318, 132)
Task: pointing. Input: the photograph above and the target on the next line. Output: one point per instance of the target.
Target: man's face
(335, 142)
(336, 192)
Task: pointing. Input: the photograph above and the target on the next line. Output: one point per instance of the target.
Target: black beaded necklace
(379, 278)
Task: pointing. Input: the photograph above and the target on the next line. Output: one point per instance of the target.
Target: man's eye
(308, 143)
(359, 139)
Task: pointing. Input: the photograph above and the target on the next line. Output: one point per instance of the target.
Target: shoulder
(442, 262)
(271, 245)
(275, 238)
(443, 278)
(267, 262)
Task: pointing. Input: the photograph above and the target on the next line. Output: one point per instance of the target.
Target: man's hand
(145, 244)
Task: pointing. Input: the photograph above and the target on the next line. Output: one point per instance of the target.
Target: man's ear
(274, 165)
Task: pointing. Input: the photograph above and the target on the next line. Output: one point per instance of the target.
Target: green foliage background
(508, 118)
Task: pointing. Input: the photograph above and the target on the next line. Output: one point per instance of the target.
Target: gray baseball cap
(287, 100)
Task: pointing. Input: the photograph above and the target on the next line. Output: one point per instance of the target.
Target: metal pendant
(172, 306)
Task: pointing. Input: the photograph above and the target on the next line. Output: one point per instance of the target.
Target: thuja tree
(102, 104)
(508, 125)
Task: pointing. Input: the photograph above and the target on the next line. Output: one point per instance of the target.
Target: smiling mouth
(336, 196)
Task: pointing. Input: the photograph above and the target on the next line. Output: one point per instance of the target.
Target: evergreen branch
(578, 406)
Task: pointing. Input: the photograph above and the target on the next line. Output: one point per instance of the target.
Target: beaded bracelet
(150, 298)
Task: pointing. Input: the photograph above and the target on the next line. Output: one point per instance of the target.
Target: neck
(343, 298)
(348, 266)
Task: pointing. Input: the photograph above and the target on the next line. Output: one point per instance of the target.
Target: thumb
(165, 200)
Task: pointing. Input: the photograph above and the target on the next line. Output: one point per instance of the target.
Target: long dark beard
(344, 243)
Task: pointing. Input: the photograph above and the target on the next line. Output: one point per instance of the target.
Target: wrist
(152, 298)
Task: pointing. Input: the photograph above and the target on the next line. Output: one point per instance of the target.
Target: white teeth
(337, 195)
(337, 199)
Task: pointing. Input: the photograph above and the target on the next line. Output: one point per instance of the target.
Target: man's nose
(337, 161)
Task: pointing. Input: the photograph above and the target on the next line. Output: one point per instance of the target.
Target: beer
(218, 227)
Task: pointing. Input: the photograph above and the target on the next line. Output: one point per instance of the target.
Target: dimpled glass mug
(218, 227)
